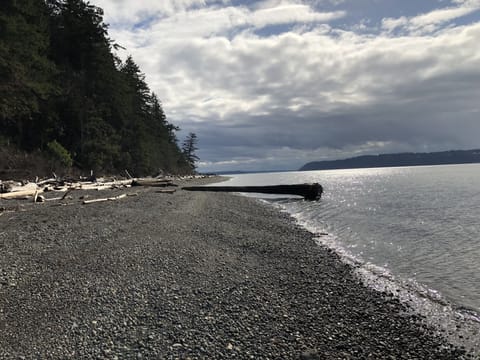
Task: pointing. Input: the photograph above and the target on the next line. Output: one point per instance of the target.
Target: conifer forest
(66, 95)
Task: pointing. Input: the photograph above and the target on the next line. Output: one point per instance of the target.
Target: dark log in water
(308, 191)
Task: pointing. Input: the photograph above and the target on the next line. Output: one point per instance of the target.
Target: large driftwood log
(22, 192)
(308, 191)
(152, 182)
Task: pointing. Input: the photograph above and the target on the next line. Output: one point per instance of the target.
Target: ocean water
(411, 230)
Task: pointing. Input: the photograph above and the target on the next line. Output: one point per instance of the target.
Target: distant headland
(401, 159)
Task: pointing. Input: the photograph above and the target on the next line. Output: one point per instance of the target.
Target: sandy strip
(188, 275)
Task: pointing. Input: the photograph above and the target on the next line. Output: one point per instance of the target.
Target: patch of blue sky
(376, 10)
(272, 30)
(467, 19)
(146, 22)
(365, 16)
(246, 3)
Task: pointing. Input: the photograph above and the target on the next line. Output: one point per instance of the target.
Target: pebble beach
(189, 275)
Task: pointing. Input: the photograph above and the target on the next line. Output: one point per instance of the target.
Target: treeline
(64, 92)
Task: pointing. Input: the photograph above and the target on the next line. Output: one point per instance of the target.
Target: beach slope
(188, 275)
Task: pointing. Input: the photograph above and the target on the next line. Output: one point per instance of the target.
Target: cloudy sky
(274, 84)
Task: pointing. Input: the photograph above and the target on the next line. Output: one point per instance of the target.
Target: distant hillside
(241, 172)
(403, 159)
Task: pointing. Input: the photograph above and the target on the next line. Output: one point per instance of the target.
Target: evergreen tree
(81, 48)
(63, 91)
(188, 149)
(26, 73)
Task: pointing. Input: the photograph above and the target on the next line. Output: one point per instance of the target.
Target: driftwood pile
(36, 191)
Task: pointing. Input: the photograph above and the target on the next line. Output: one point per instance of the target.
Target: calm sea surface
(416, 227)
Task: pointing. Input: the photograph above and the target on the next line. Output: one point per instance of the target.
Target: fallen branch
(54, 199)
(86, 202)
(50, 181)
(66, 193)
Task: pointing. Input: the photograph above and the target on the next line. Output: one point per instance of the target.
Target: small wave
(459, 325)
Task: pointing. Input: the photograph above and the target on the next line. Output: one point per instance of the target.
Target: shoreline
(459, 324)
(189, 275)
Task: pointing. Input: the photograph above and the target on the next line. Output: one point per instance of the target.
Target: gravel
(188, 275)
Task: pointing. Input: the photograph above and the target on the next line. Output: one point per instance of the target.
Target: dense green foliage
(59, 153)
(64, 92)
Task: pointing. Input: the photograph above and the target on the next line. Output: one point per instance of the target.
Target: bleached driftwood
(18, 192)
(33, 190)
(102, 186)
(86, 202)
(55, 198)
(51, 181)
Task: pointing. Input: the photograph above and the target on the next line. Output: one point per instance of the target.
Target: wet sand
(188, 275)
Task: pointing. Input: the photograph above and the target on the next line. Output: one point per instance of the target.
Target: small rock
(310, 355)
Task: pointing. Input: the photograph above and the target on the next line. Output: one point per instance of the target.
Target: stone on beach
(189, 275)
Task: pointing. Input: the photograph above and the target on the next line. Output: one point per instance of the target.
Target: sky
(274, 84)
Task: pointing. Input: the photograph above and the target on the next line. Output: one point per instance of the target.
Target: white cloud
(309, 92)
(207, 16)
(335, 90)
(390, 24)
(206, 21)
(249, 73)
(290, 13)
(129, 12)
